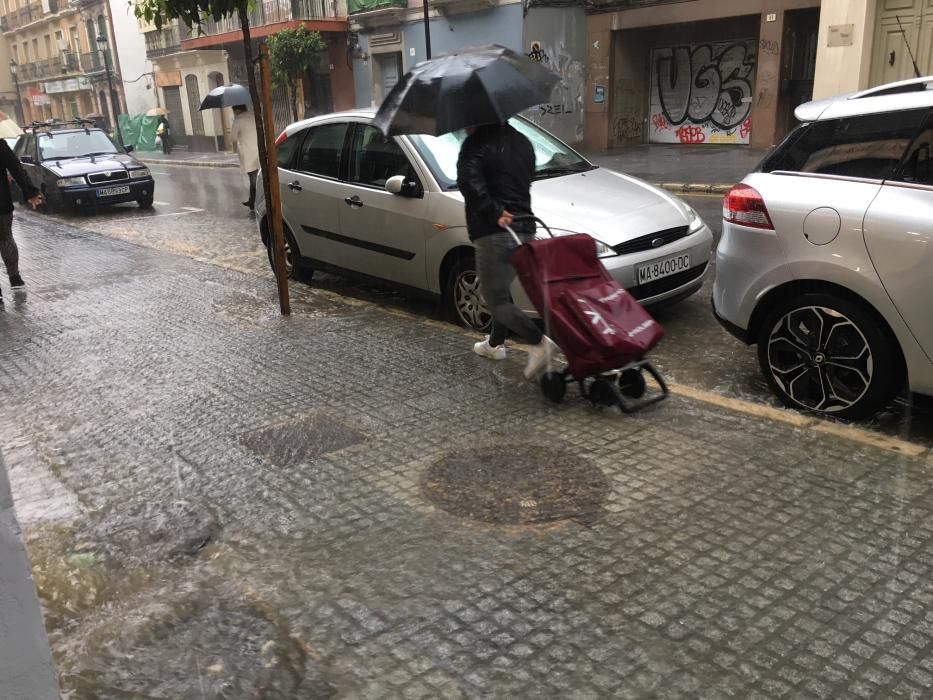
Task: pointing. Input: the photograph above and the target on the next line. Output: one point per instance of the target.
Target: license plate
(112, 191)
(666, 267)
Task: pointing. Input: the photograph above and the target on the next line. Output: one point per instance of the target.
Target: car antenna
(909, 50)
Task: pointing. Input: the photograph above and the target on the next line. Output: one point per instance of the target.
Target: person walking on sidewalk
(243, 134)
(164, 131)
(494, 173)
(11, 167)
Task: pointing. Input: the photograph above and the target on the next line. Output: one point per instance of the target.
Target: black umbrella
(226, 96)
(475, 86)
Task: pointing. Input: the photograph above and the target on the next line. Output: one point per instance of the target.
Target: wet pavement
(221, 502)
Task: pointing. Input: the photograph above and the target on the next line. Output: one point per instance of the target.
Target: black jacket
(9, 164)
(494, 173)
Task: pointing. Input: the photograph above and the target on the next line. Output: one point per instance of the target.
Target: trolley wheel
(632, 383)
(554, 386)
(602, 392)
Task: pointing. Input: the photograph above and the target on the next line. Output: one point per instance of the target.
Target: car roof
(916, 93)
(335, 116)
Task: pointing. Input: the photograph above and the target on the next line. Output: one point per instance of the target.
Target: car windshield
(75, 144)
(552, 157)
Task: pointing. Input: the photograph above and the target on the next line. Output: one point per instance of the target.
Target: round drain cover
(516, 484)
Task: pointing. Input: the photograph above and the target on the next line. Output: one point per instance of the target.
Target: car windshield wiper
(569, 170)
(97, 153)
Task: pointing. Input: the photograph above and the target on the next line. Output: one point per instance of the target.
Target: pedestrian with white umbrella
(242, 133)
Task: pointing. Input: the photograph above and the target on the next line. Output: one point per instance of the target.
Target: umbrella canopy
(157, 112)
(9, 129)
(485, 85)
(226, 96)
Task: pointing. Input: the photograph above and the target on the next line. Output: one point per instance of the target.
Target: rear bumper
(89, 196)
(733, 329)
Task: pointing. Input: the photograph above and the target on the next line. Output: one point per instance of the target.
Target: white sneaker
(539, 358)
(484, 349)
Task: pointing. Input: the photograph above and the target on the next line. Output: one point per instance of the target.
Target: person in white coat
(243, 135)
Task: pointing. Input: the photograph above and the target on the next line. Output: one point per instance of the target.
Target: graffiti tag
(769, 46)
(627, 129)
(691, 134)
(555, 109)
(537, 53)
(660, 123)
(746, 128)
(705, 84)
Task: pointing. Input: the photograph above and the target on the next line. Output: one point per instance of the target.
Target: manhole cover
(142, 533)
(302, 440)
(196, 649)
(517, 484)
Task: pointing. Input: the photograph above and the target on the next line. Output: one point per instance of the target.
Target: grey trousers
(496, 275)
(8, 250)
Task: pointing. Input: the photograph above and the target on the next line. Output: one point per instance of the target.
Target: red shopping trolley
(602, 330)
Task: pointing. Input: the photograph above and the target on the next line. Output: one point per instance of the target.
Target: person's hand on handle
(35, 201)
(505, 219)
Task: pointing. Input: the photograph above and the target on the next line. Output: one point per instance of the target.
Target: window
(75, 41)
(322, 150)
(48, 46)
(869, 146)
(374, 158)
(287, 149)
(918, 165)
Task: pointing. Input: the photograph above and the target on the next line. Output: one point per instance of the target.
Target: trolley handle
(528, 218)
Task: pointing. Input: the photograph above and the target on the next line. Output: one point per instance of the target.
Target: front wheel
(830, 355)
(146, 202)
(293, 265)
(463, 296)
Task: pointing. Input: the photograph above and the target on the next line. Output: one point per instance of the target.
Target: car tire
(146, 202)
(462, 295)
(296, 268)
(829, 355)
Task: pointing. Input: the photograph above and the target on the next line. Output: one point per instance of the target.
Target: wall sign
(840, 35)
(599, 94)
(170, 78)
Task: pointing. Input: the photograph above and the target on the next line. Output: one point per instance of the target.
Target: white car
(826, 256)
(388, 208)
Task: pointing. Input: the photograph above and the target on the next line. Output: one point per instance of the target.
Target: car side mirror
(395, 184)
(129, 148)
(399, 185)
(28, 160)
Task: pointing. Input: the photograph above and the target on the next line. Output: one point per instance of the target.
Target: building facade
(136, 69)
(699, 71)
(865, 43)
(61, 67)
(389, 38)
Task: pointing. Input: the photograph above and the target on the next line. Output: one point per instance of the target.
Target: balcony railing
(272, 12)
(165, 42)
(22, 16)
(68, 63)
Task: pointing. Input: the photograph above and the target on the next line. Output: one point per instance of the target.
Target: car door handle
(294, 186)
(354, 201)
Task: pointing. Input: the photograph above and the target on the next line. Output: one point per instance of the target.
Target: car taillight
(744, 206)
(281, 139)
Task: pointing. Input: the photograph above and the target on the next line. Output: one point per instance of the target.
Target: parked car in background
(77, 166)
(826, 256)
(389, 209)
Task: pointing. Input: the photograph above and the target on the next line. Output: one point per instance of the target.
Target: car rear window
(867, 146)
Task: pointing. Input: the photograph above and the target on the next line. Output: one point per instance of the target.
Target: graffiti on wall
(702, 93)
(564, 114)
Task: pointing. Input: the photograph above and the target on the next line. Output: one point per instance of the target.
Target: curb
(191, 163)
(694, 187)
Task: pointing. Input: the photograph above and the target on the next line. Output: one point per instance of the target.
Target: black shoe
(250, 205)
(16, 281)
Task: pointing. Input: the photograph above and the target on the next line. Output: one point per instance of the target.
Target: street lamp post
(14, 69)
(114, 101)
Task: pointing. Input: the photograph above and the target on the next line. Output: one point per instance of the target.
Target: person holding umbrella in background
(242, 133)
(479, 90)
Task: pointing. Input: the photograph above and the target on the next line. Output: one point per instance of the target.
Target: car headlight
(71, 181)
(602, 250)
(139, 173)
(693, 219)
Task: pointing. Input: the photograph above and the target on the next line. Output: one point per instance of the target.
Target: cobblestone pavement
(220, 502)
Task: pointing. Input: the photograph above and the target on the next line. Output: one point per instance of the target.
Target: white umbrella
(226, 96)
(157, 112)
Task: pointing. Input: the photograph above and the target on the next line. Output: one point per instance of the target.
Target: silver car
(826, 256)
(388, 208)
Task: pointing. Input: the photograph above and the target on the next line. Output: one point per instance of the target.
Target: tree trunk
(293, 100)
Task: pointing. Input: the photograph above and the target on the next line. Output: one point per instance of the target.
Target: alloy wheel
(820, 359)
(471, 307)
